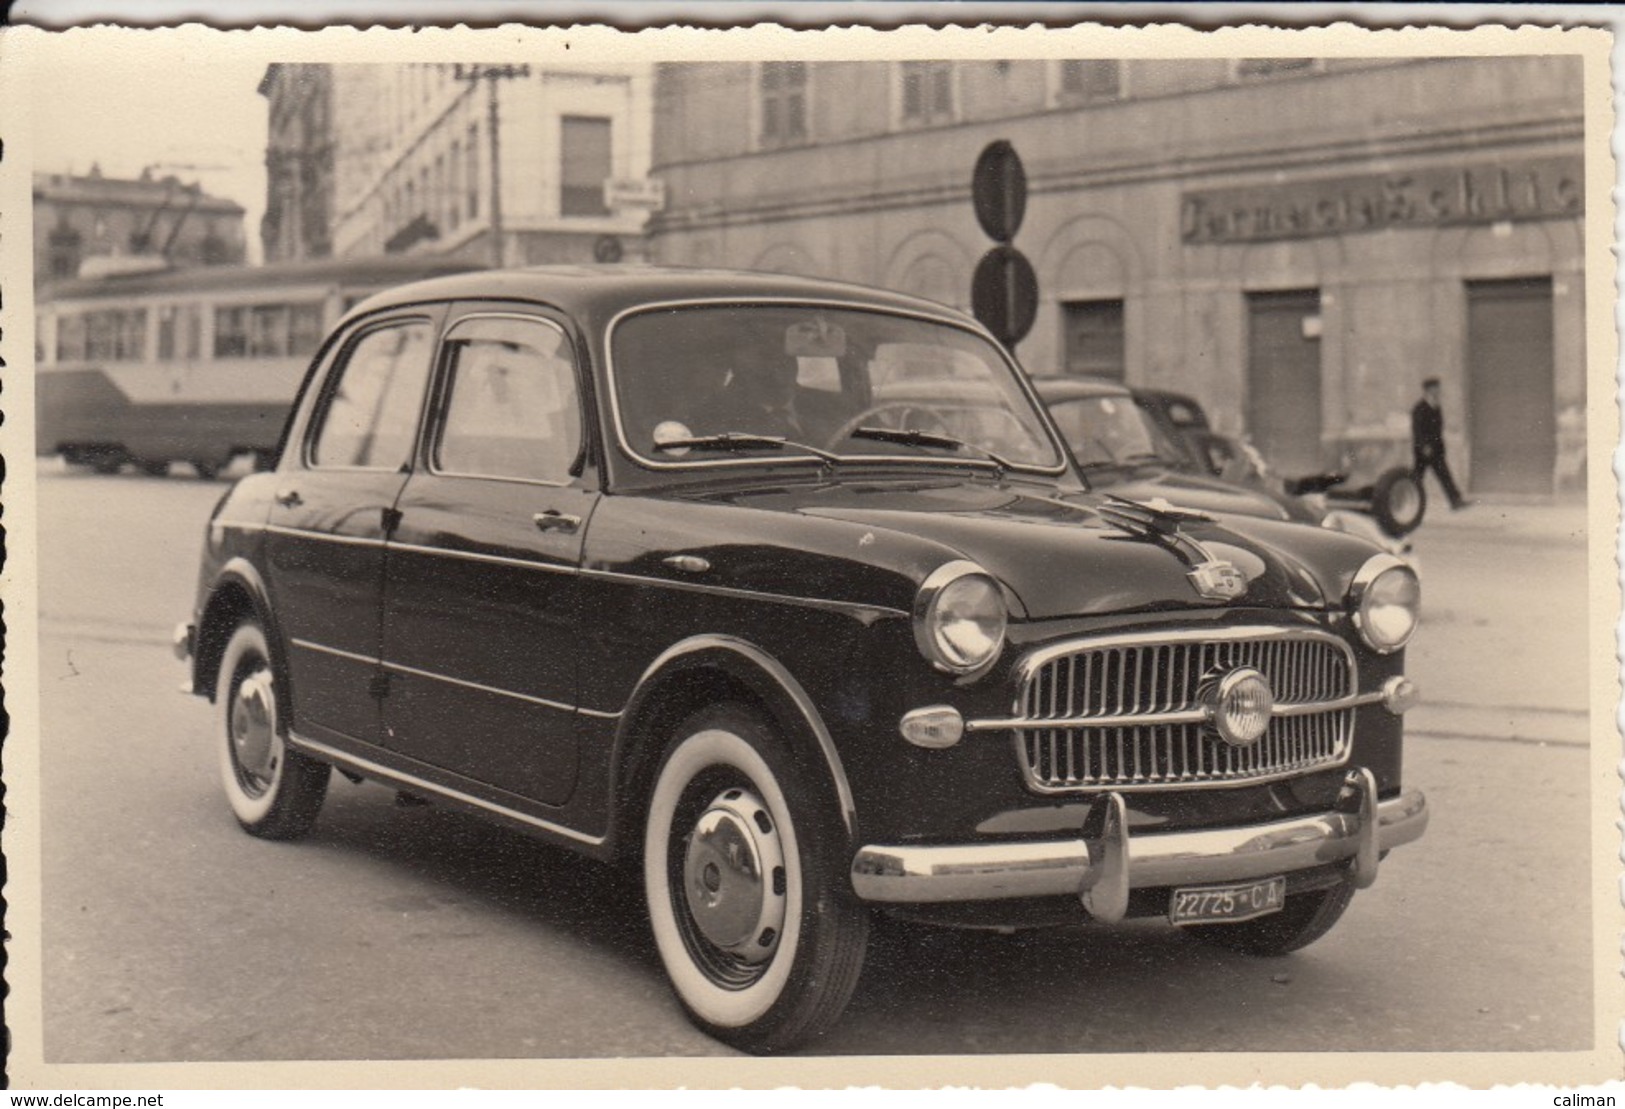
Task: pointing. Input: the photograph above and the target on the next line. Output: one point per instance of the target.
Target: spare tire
(1398, 502)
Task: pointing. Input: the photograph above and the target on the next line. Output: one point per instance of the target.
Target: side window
(371, 413)
(510, 402)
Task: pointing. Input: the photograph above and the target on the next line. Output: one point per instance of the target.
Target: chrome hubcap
(253, 726)
(734, 878)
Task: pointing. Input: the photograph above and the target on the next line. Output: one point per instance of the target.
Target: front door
(1511, 422)
(1283, 379)
(482, 588)
(325, 540)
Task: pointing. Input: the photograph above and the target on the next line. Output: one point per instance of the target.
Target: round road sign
(1004, 294)
(998, 191)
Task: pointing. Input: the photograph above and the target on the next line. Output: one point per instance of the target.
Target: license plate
(1216, 904)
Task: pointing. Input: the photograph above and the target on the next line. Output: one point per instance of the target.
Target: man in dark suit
(1427, 442)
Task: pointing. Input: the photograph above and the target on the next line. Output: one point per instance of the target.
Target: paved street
(416, 933)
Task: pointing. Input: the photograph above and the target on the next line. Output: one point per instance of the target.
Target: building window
(928, 92)
(584, 154)
(1094, 338)
(65, 248)
(1081, 81)
(784, 103)
(1262, 69)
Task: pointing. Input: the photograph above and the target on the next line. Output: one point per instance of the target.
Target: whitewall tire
(760, 935)
(274, 791)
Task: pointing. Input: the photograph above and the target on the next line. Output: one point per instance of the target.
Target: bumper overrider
(1104, 862)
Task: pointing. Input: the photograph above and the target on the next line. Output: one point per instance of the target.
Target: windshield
(704, 383)
(1106, 430)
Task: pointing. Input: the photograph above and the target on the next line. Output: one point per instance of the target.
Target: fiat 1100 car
(787, 592)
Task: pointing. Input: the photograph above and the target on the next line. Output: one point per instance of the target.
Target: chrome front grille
(1128, 712)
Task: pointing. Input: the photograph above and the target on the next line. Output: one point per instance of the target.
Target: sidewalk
(1556, 520)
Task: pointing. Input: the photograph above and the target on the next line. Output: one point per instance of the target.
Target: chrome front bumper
(1104, 863)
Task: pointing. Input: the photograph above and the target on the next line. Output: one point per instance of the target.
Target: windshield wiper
(914, 437)
(744, 441)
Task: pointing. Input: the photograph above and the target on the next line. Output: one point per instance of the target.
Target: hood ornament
(1159, 521)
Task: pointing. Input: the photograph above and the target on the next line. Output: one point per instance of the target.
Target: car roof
(1054, 389)
(605, 290)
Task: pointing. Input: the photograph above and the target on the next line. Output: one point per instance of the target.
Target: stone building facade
(1298, 242)
(414, 154)
(298, 222)
(81, 218)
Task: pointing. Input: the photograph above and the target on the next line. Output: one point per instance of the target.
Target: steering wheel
(910, 417)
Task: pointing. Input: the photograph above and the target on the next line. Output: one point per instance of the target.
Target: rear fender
(238, 592)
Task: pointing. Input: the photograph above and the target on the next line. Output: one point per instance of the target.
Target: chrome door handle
(554, 520)
(289, 498)
(689, 564)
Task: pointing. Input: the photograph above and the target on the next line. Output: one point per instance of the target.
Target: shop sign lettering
(1536, 188)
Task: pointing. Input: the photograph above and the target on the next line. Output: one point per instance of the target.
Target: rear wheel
(208, 469)
(746, 886)
(274, 791)
(153, 467)
(1304, 919)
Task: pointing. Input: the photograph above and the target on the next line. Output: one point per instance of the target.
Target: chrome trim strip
(1058, 468)
(544, 702)
(325, 536)
(1184, 716)
(862, 611)
(868, 613)
(351, 655)
(476, 556)
(787, 682)
(369, 769)
(598, 714)
(915, 874)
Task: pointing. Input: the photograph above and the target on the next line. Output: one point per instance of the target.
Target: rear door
(482, 602)
(325, 541)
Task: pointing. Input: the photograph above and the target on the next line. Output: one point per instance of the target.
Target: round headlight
(959, 618)
(1386, 599)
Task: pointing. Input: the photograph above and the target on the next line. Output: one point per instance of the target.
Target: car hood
(1058, 553)
(1204, 494)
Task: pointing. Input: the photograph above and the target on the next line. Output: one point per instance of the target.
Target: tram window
(230, 332)
(70, 338)
(115, 334)
(306, 329)
(267, 330)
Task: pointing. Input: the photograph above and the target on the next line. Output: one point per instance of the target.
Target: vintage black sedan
(787, 590)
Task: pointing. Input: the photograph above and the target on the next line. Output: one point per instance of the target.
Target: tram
(196, 365)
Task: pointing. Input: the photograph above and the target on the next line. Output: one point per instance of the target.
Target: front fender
(686, 675)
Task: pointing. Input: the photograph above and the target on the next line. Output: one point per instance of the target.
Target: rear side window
(369, 420)
(510, 403)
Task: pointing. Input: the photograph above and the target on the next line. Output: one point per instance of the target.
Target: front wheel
(1302, 920)
(274, 791)
(745, 882)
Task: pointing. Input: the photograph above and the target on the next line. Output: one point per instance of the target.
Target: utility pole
(491, 74)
